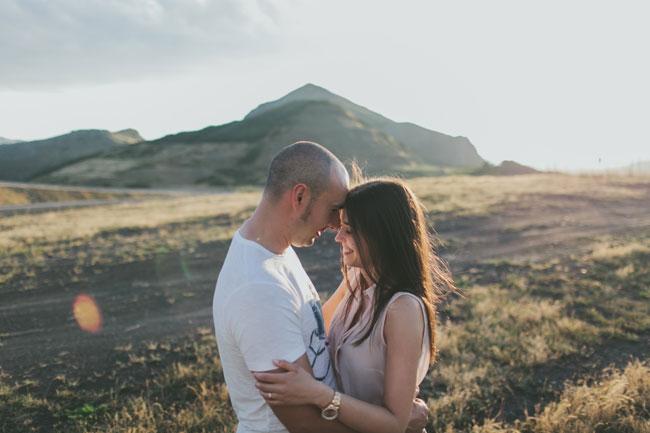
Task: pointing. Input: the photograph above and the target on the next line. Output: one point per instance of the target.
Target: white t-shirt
(265, 307)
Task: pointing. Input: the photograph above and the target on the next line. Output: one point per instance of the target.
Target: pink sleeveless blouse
(359, 370)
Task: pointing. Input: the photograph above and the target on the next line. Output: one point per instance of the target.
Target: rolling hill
(239, 152)
(506, 168)
(25, 161)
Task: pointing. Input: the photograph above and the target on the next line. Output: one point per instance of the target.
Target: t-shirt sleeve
(266, 324)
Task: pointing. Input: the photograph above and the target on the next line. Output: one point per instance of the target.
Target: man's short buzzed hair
(301, 162)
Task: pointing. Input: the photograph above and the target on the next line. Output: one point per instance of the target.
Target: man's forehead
(337, 193)
(335, 196)
(337, 190)
(339, 176)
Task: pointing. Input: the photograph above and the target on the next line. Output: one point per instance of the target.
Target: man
(265, 307)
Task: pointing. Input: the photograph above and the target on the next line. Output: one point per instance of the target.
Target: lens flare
(87, 314)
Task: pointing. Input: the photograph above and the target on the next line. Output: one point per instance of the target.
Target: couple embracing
(355, 363)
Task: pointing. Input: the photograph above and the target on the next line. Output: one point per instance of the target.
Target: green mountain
(427, 146)
(239, 152)
(28, 160)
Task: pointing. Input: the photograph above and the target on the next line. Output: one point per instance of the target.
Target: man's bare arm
(307, 418)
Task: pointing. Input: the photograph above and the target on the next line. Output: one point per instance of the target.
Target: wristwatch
(331, 411)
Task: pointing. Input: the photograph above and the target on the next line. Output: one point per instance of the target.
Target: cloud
(58, 43)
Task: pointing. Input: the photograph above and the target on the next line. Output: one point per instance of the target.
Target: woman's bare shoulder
(402, 311)
(404, 303)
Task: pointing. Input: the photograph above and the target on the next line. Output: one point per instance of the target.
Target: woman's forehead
(344, 217)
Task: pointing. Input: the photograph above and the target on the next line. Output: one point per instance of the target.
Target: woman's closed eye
(346, 230)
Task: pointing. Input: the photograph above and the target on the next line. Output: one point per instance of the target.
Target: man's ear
(299, 196)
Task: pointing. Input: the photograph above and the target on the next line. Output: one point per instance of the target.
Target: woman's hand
(293, 386)
(419, 416)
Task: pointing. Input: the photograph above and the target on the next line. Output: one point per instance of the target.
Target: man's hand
(419, 417)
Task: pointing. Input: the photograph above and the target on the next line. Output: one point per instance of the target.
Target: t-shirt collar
(259, 246)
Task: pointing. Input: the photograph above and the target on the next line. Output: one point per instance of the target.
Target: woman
(381, 319)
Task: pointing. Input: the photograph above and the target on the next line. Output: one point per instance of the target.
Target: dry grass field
(551, 332)
(24, 195)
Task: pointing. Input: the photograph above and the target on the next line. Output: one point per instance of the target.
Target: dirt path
(128, 196)
(49, 206)
(542, 228)
(143, 191)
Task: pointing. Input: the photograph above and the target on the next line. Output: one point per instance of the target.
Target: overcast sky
(553, 84)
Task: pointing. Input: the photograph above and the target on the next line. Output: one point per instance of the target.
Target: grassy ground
(469, 195)
(506, 349)
(157, 387)
(615, 402)
(115, 234)
(521, 331)
(21, 196)
(537, 343)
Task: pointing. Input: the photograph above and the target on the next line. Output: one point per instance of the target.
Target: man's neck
(266, 228)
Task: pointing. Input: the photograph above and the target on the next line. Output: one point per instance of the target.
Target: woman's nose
(337, 238)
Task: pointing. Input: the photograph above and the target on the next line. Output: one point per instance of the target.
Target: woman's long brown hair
(397, 249)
